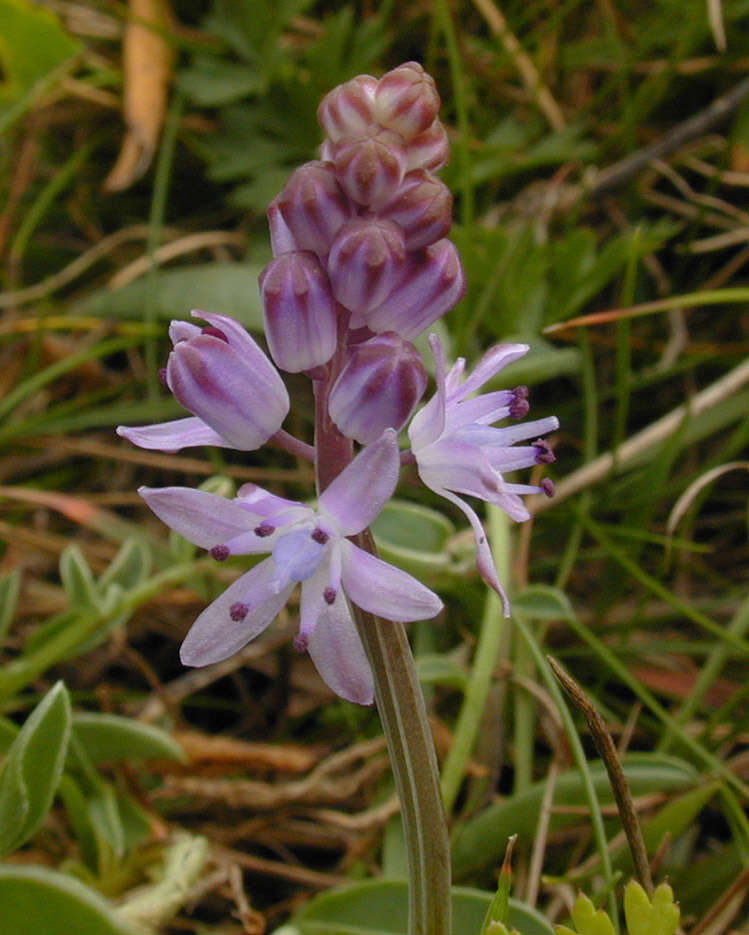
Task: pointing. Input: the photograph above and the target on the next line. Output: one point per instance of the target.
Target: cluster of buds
(361, 258)
(361, 267)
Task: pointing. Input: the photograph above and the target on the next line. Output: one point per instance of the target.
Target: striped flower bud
(406, 100)
(313, 206)
(429, 150)
(370, 167)
(281, 238)
(378, 388)
(347, 110)
(220, 375)
(299, 311)
(422, 208)
(365, 262)
(431, 284)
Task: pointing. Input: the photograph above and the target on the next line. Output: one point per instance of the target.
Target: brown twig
(607, 751)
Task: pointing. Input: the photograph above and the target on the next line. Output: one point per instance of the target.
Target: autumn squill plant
(362, 266)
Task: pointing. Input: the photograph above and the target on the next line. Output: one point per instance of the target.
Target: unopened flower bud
(281, 238)
(313, 206)
(347, 110)
(365, 262)
(406, 100)
(422, 208)
(300, 312)
(429, 150)
(221, 375)
(431, 284)
(378, 388)
(370, 167)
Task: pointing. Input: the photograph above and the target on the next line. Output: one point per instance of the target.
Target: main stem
(400, 704)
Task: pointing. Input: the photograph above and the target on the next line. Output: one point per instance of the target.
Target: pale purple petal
(429, 422)
(243, 343)
(172, 436)
(336, 649)
(484, 559)
(487, 408)
(277, 510)
(224, 387)
(383, 589)
(522, 431)
(203, 518)
(182, 330)
(361, 490)
(243, 611)
(490, 364)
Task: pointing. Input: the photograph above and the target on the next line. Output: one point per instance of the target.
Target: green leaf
(109, 737)
(32, 769)
(211, 82)
(226, 288)
(380, 907)
(439, 669)
(413, 537)
(32, 45)
(543, 602)
(481, 841)
(645, 917)
(39, 901)
(77, 578)
(130, 566)
(588, 920)
(10, 585)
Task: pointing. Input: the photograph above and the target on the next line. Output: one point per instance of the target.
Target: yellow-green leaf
(645, 917)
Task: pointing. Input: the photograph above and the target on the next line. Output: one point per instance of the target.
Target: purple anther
(320, 536)
(547, 485)
(220, 553)
(264, 529)
(519, 406)
(301, 641)
(238, 611)
(214, 333)
(162, 376)
(544, 454)
(329, 595)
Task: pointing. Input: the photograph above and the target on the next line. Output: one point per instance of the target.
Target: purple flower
(458, 451)
(308, 546)
(218, 373)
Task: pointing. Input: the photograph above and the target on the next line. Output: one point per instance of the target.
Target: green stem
(400, 704)
(402, 711)
(492, 636)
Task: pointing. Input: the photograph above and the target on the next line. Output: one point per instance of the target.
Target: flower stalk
(361, 267)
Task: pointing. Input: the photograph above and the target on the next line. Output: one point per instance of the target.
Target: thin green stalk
(623, 350)
(406, 728)
(524, 713)
(402, 711)
(155, 227)
(44, 200)
(461, 147)
(489, 648)
(578, 754)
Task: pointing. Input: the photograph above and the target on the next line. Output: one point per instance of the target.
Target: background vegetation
(600, 167)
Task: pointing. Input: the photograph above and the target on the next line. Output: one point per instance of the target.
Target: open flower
(218, 373)
(457, 450)
(307, 546)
